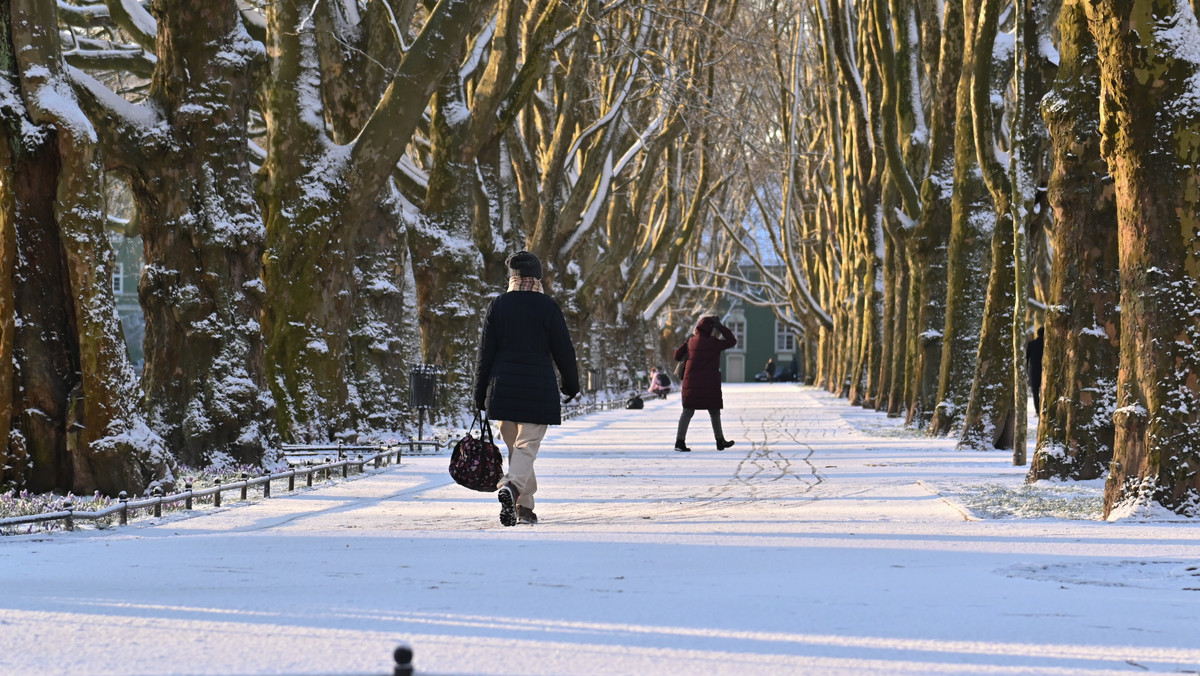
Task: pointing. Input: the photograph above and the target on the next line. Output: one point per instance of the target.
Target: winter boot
(507, 495)
(723, 444)
(526, 516)
(679, 446)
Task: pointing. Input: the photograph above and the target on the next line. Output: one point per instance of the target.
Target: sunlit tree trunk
(989, 420)
(969, 256)
(358, 51)
(1082, 329)
(38, 360)
(1150, 123)
(927, 247)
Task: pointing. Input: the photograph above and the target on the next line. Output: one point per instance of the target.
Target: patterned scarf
(524, 284)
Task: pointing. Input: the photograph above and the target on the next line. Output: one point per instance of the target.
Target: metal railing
(382, 457)
(302, 454)
(585, 407)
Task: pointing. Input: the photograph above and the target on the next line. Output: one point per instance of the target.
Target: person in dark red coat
(702, 378)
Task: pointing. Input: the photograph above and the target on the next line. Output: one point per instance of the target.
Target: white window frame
(734, 323)
(118, 280)
(785, 339)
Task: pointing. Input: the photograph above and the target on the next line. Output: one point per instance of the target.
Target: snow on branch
(131, 16)
(604, 119)
(653, 308)
(640, 143)
(599, 198)
(476, 55)
(142, 120)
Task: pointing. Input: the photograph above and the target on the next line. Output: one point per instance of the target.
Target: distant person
(1033, 364)
(524, 338)
(702, 378)
(660, 383)
(769, 369)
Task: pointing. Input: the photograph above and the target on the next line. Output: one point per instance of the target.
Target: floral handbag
(476, 462)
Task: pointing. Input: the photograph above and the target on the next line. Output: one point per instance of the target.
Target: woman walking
(702, 378)
(524, 338)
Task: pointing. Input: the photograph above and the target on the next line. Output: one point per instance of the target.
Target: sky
(829, 540)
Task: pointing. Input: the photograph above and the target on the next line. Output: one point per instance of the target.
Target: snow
(599, 199)
(829, 540)
(141, 18)
(1179, 35)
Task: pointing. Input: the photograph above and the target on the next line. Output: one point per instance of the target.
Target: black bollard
(404, 658)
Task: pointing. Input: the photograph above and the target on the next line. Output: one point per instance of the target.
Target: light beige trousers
(523, 441)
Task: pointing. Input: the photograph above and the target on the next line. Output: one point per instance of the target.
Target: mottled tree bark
(990, 417)
(1150, 121)
(969, 256)
(39, 361)
(316, 197)
(1082, 328)
(203, 238)
(927, 246)
(104, 440)
(358, 53)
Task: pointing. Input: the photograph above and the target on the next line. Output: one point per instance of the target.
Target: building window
(785, 340)
(119, 278)
(738, 327)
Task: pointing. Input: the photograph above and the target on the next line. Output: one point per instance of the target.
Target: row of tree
(952, 176)
(321, 186)
(325, 192)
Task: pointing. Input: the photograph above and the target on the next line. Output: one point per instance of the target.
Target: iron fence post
(187, 502)
(292, 479)
(157, 493)
(217, 495)
(124, 518)
(267, 487)
(404, 657)
(308, 475)
(69, 522)
(245, 485)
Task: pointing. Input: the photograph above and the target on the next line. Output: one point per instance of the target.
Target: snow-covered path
(818, 544)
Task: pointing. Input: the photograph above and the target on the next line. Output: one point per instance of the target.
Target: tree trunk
(990, 418)
(39, 361)
(203, 238)
(969, 257)
(105, 440)
(1082, 328)
(1150, 124)
(358, 53)
(927, 247)
(316, 198)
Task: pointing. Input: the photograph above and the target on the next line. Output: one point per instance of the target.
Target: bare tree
(79, 427)
(316, 196)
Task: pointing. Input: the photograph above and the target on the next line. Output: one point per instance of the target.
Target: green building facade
(760, 337)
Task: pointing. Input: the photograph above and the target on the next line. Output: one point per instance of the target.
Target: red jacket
(702, 375)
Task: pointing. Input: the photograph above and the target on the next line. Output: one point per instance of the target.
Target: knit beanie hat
(524, 264)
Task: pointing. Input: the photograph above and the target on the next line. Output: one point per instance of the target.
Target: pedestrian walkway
(827, 541)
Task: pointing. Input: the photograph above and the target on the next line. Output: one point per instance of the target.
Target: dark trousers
(685, 419)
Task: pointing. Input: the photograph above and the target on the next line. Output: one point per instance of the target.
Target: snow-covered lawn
(828, 540)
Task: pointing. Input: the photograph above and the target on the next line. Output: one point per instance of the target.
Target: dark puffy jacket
(524, 337)
(702, 375)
